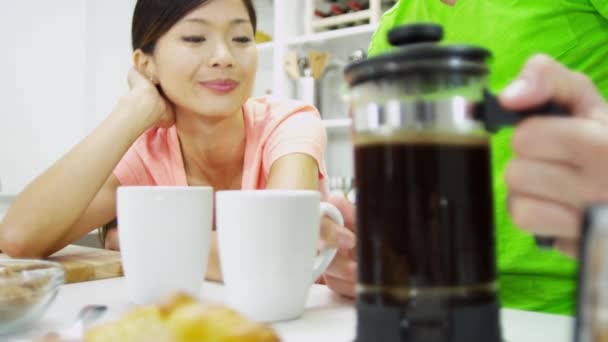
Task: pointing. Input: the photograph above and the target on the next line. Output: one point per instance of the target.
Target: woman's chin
(213, 106)
(215, 112)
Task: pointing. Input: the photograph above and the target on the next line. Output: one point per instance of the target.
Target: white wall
(108, 56)
(42, 85)
(63, 65)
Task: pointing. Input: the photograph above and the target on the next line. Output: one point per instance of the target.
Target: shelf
(263, 47)
(334, 124)
(333, 34)
(341, 19)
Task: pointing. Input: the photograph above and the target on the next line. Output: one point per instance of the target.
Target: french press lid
(417, 52)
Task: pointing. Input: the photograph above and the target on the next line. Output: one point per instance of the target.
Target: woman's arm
(75, 194)
(214, 271)
(294, 171)
(300, 171)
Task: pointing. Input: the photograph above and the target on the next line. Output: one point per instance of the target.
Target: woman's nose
(222, 57)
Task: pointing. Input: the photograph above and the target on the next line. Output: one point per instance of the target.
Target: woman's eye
(193, 39)
(242, 40)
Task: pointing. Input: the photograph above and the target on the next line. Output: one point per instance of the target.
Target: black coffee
(426, 249)
(425, 214)
(425, 228)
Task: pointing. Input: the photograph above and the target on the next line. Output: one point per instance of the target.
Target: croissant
(181, 318)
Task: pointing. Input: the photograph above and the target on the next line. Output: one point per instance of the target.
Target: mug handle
(326, 256)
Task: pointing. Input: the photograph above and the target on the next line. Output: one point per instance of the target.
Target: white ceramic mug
(267, 245)
(164, 235)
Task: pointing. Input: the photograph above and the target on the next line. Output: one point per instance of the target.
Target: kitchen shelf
(333, 34)
(335, 124)
(341, 19)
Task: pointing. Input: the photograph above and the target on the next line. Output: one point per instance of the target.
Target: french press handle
(495, 117)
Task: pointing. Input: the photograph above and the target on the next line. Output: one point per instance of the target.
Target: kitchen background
(64, 65)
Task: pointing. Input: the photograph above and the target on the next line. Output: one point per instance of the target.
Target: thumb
(334, 235)
(346, 208)
(543, 79)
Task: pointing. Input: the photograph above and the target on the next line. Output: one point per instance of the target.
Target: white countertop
(328, 316)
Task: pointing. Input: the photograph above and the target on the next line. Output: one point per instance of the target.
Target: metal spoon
(87, 315)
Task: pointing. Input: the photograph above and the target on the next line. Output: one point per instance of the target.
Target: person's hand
(341, 275)
(147, 101)
(111, 239)
(561, 163)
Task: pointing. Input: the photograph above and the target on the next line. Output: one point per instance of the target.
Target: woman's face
(207, 62)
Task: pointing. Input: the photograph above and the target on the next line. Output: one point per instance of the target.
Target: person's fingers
(549, 181)
(111, 241)
(341, 286)
(329, 232)
(137, 79)
(131, 77)
(567, 140)
(543, 79)
(335, 235)
(343, 267)
(346, 208)
(568, 246)
(544, 218)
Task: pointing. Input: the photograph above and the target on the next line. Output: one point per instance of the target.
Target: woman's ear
(144, 63)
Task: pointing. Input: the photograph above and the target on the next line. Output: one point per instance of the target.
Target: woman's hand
(561, 164)
(111, 239)
(146, 100)
(341, 275)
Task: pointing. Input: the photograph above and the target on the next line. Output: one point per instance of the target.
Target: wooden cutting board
(86, 264)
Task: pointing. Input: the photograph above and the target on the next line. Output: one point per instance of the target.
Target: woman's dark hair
(153, 18)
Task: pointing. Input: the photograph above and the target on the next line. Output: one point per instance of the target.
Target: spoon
(87, 315)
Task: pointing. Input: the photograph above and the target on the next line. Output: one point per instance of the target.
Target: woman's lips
(220, 86)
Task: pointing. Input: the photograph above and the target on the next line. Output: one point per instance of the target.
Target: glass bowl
(27, 288)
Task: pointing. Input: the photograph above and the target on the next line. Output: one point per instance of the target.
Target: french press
(425, 219)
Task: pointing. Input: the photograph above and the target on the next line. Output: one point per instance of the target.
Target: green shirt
(575, 32)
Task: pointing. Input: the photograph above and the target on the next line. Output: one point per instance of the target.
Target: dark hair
(153, 18)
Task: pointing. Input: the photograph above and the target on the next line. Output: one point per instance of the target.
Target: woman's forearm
(55, 200)
(214, 272)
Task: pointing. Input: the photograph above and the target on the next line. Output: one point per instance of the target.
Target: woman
(187, 120)
(576, 34)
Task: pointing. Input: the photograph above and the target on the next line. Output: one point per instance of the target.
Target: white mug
(267, 246)
(164, 235)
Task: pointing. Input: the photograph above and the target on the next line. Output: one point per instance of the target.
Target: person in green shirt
(575, 33)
